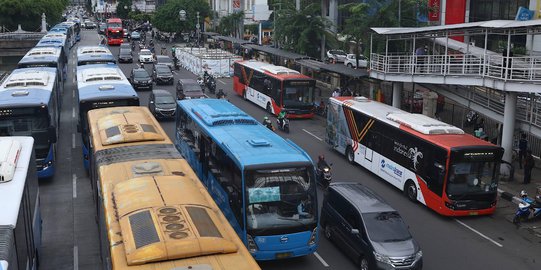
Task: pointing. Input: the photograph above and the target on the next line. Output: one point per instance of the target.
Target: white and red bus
(275, 88)
(114, 31)
(435, 163)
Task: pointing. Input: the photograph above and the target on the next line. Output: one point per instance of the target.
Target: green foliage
(166, 17)
(230, 24)
(121, 12)
(27, 13)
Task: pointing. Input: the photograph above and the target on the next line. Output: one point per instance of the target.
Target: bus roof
(41, 54)
(91, 53)
(51, 42)
(249, 141)
(102, 81)
(55, 35)
(11, 192)
(422, 126)
(28, 87)
(278, 72)
(93, 50)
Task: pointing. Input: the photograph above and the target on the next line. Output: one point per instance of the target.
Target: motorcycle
(141, 45)
(201, 82)
(527, 209)
(471, 118)
(283, 125)
(267, 122)
(324, 175)
(221, 95)
(212, 86)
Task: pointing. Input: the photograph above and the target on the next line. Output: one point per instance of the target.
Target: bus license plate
(474, 213)
(283, 255)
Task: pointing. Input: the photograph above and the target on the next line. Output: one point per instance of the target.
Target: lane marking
(73, 112)
(74, 179)
(73, 94)
(321, 259)
(75, 258)
(479, 233)
(313, 135)
(73, 140)
(222, 82)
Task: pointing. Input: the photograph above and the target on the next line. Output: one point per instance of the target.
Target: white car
(145, 56)
(337, 55)
(351, 62)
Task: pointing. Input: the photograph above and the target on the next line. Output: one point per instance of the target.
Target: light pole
(197, 26)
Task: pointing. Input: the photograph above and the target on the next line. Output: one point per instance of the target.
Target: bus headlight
(313, 237)
(252, 247)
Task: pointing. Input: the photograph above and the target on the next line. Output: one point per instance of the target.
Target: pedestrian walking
(420, 54)
(529, 163)
(522, 147)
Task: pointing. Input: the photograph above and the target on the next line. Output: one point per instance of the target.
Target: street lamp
(197, 26)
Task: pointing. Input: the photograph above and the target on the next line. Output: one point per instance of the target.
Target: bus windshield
(280, 200)
(467, 177)
(298, 94)
(114, 25)
(35, 125)
(115, 34)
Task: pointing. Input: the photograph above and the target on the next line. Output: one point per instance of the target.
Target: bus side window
(275, 91)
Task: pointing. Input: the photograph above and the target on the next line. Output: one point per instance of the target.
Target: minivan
(162, 104)
(188, 89)
(368, 229)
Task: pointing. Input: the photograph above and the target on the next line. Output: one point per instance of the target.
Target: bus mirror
(52, 134)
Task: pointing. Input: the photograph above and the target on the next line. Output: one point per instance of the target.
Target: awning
(334, 68)
(276, 51)
(232, 39)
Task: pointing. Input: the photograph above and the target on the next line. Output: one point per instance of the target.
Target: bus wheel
(269, 109)
(410, 191)
(350, 155)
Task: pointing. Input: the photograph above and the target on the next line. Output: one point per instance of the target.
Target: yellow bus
(153, 211)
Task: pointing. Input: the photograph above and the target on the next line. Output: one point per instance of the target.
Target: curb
(509, 196)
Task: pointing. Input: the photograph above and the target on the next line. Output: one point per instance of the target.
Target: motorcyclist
(321, 163)
(221, 95)
(267, 123)
(206, 76)
(281, 117)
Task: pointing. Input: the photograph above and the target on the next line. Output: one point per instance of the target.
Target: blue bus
(76, 27)
(20, 218)
(264, 184)
(100, 86)
(88, 55)
(29, 106)
(55, 40)
(66, 30)
(46, 57)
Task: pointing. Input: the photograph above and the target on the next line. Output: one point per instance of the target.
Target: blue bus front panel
(47, 169)
(274, 247)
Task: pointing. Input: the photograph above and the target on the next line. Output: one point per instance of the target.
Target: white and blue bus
(89, 55)
(20, 218)
(55, 39)
(76, 27)
(45, 57)
(66, 30)
(29, 106)
(100, 86)
(264, 184)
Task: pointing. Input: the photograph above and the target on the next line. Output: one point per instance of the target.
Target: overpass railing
(21, 36)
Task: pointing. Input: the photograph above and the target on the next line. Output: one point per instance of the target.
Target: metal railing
(21, 36)
(520, 69)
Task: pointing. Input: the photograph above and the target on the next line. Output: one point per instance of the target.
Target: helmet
(523, 193)
(266, 118)
(321, 157)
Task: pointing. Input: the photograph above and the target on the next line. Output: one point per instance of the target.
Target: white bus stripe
(479, 233)
(313, 135)
(321, 259)
(74, 186)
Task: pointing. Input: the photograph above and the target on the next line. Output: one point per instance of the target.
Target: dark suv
(367, 229)
(140, 79)
(162, 104)
(189, 88)
(162, 75)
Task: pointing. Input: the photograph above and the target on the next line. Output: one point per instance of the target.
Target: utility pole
(298, 5)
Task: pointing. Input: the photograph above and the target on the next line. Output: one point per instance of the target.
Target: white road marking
(313, 135)
(174, 72)
(73, 112)
(479, 233)
(321, 259)
(74, 186)
(75, 258)
(73, 140)
(221, 82)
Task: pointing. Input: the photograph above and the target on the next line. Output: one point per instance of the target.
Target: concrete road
(70, 232)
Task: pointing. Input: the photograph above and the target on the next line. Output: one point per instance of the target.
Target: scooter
(201, 82)
(324, 175)
(283, 125)
(268, 124)
(212, 86)
(527, 209)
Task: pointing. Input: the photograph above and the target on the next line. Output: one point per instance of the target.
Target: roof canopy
(276, 51)
(335, 68)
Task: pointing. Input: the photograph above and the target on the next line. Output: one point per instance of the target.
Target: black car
(162, 75)
(165, 60)
(188, 89)
(125, 56)
(140, 79)
(368, 229)
(101, 28)
(162, 104)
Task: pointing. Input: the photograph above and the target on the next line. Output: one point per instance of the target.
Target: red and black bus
(114, 31)
(275, 88)
(437, 164)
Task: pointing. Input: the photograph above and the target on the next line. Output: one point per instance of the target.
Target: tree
(229, 25)
(300, 31)
(122, 12)
(356, 25)
(27, 13)
(166, 18)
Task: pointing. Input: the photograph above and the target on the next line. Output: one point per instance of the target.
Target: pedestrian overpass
(452, 59)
